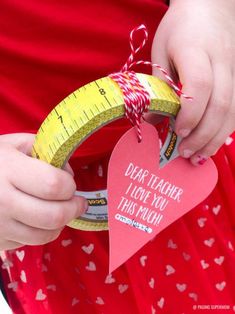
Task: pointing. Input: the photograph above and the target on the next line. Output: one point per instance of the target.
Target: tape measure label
(97, 209)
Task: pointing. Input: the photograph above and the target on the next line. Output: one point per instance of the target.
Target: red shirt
(47, 50)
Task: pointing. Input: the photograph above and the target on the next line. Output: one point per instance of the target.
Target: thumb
(160, 57)
(21, 141)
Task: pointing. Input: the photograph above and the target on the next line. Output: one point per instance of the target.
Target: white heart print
(204, 264)
(228, 140)
(216, 209)
(169, 270)
(143, 260)
(20, 255)
(181, 287)
(75, 301)
(193, 295)
(201, 222)
(99, 300)
(151, 283)
(230, 246)
(91, 266)
(161, 302)
(88, 249)
(40, 296)
(109, 279)
(209, 242)
(186, 256)
(23, 276)
(66, 242)
(220, 285)
(51, 287)
(171, 244)
(219, 260)
(122, 288)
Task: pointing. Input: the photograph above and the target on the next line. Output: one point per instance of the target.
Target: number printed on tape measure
(83, 112)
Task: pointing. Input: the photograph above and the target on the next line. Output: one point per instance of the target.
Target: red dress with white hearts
(47, 50)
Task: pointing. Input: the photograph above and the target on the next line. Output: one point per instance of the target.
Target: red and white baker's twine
(136, 97)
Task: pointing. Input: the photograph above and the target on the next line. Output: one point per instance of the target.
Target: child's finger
(160, 57)
(9, 245)
(21, 141)
(218, 140)
(215, 114)
(38, 178)
(27, 235)
(228, 127)
(43, 214)
(69, 169)
(195, 73)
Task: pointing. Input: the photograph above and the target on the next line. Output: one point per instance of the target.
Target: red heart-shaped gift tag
(143, 199)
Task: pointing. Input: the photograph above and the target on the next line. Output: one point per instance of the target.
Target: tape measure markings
(86, 116)
(86, 110)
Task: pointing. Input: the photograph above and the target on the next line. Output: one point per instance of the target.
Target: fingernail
(187, 153)
(199, 160)
(86, 205)
(184, 132)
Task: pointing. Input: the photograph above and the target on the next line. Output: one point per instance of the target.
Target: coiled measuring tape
(84, 111)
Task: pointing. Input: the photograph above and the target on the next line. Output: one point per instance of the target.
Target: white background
(4, 308)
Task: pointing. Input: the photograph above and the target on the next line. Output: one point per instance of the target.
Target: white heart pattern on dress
(169, 270)
(205, 207)
(209, 242)
(201, 222)
(186, 256)
(220, 285)
(75, 301)
(40, 296)
(109, 279)
(66, 242)
(228, 140)
(20, 255)
(99, 300)
(143, 260)
(181, 287)
(23, 276)
(230, 246)
(204, 264)
(91, 266)
(88, 249)
(44, 268)
(216, 209)
(100, 171)
(161, 302)
(13, 285)
(193, 295)
(47, 256)
(51, 287)
(219, 260)
(171, 244)
(151, 283)
(122, 288)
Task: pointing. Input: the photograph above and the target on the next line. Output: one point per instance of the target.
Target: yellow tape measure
(89, 108)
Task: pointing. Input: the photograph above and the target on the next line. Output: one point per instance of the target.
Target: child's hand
(36, 199)
(196, 41)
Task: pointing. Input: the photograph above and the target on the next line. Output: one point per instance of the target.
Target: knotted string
(136, 97)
